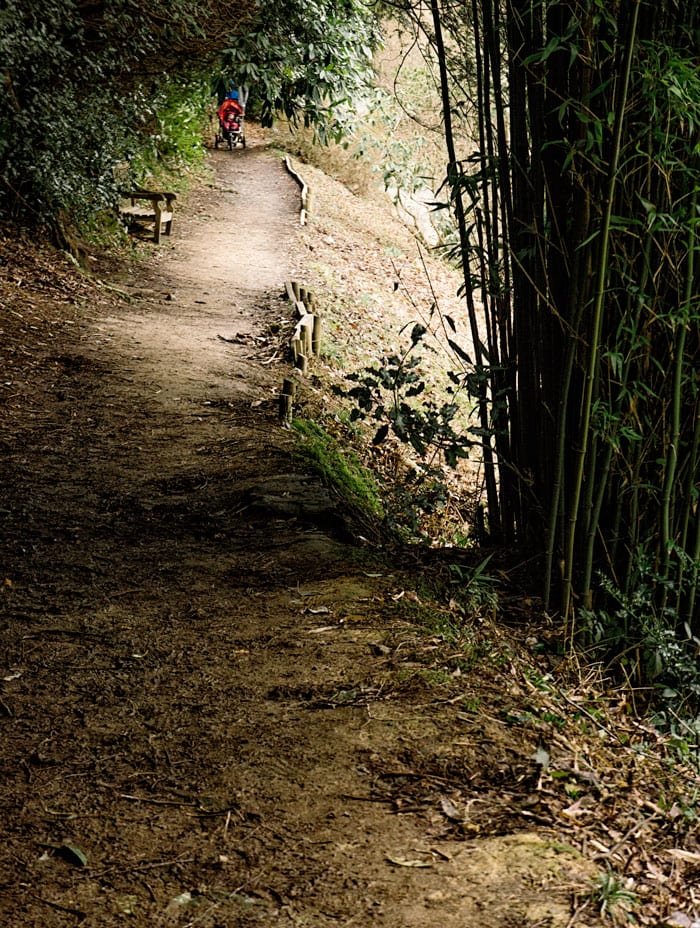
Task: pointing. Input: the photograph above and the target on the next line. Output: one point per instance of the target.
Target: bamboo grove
(577, 214)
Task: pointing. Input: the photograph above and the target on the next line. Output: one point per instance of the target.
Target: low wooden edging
(306, 197)
(305, 342)
(306, 338)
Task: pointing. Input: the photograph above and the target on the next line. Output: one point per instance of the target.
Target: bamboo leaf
(458, 350)
(73, 855)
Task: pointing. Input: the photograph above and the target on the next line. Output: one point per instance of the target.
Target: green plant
(544, 682)
(176, 118)
(475, 588)
(640, 632)
(437, 676)
(386, 395)
(577, 219)
(683, 741)
(79, 96)
(88, 87)
(471, 705)
(613, 897)
(309, 61)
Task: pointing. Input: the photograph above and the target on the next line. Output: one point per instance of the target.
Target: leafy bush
(386, 393)
(78, 98)
(642, 633)
(392, 396)
(309, 60)
(89, 86)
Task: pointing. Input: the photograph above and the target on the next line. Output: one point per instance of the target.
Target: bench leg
(169, 210)
(156, 229)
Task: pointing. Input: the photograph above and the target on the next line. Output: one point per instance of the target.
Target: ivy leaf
(417, 333)
(380, 435)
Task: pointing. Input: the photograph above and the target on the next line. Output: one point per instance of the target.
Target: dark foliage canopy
(85, 83)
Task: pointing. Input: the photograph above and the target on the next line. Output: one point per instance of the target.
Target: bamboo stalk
(677, 397)
(594, 348)
(453, 178)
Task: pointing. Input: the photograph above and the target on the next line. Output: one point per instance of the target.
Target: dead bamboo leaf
(680, 854)
(681, 920)
(406, 862)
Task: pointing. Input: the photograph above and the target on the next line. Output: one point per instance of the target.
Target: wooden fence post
(316, 336)
(287, 395)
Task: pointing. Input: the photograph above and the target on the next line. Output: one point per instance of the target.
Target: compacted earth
(224, 701)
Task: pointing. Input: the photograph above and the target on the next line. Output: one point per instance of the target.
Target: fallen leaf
(680, 854)
(443, 855)
(72, 854)
(681, 920)
(574, 810)
(179, 901)
(380, 649)
(405, 862)
(450, 810)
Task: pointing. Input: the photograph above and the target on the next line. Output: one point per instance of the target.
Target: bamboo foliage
(579, 214)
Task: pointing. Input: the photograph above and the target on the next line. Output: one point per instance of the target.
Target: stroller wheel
(243, 140)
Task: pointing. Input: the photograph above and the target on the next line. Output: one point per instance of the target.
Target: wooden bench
(159, 211)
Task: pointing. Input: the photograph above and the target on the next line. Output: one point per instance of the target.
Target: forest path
(203, 719)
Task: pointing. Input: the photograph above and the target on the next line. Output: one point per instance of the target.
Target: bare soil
(219, 706)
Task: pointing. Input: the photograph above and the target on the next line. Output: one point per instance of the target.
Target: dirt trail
(201, 719)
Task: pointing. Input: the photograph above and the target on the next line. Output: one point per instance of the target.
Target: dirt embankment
(217, 707)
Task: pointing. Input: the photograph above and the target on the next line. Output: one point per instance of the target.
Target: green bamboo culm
(453, 172)
(575, 240)
(671, 463)
(593, 351)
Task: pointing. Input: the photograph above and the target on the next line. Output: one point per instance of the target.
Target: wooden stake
(307, 324)
(287, 399)
(316, 336)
